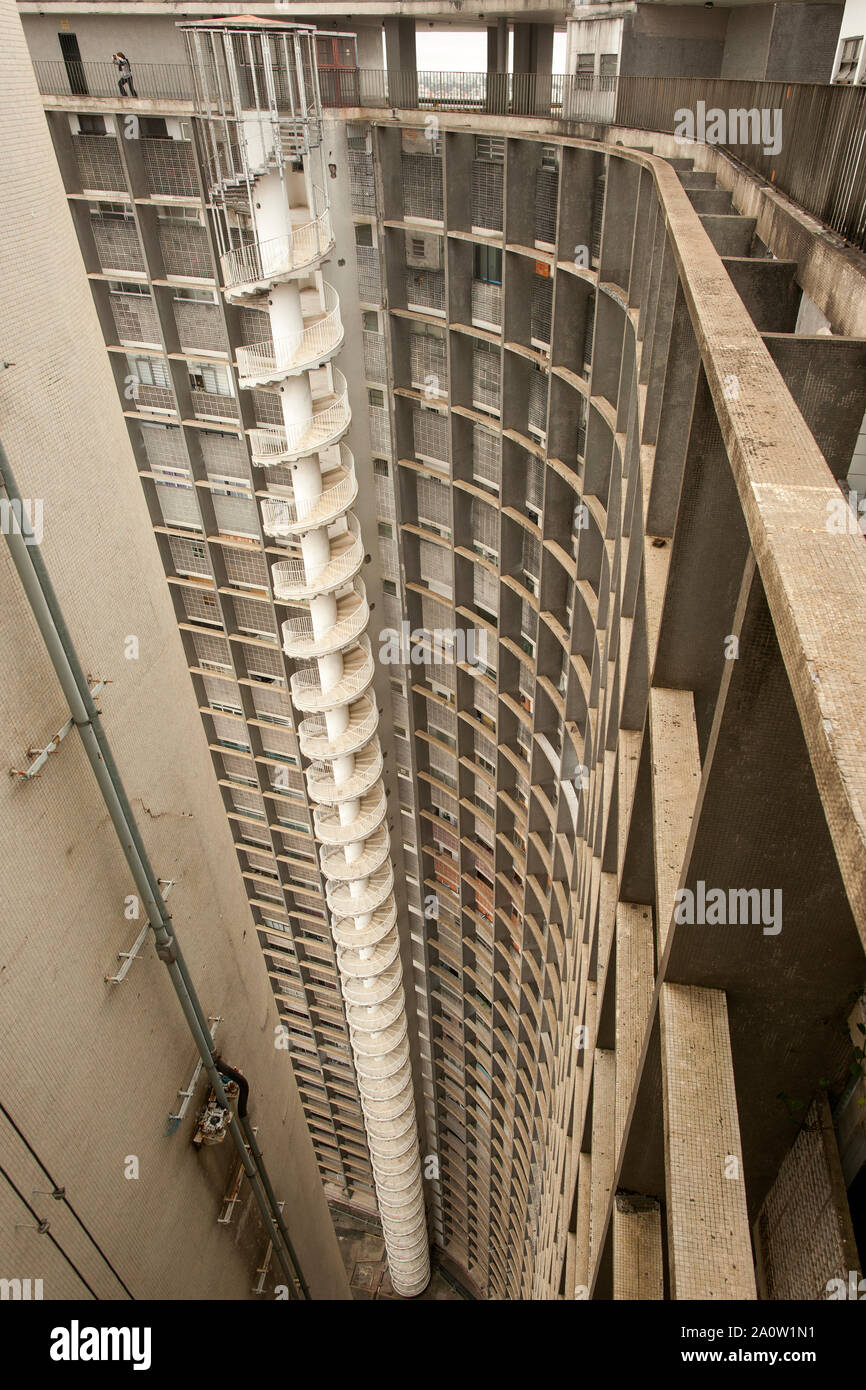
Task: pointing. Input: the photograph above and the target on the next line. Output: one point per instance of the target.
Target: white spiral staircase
(280, 269)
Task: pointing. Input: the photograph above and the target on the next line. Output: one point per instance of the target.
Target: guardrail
(819, 160)
(811, 137)
(168, 81)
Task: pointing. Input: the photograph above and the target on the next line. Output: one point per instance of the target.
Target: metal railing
(303, 348)
(258, 262)
(272, 444)
(818, 155)
(167, 81)
(820, 162)
(283, 516)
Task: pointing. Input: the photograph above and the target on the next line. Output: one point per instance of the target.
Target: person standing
(124, 70)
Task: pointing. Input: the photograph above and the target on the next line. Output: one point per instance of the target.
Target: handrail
(304, 346)
(259, 262)
(276, 442)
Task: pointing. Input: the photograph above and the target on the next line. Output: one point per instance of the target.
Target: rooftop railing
(814, 149)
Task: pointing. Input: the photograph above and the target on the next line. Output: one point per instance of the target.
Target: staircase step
(711, 200)
(697, 178)
(731, 235)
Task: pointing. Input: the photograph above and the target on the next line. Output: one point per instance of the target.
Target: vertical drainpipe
(308, 510)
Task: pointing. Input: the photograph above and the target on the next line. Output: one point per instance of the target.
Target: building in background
(606, 391)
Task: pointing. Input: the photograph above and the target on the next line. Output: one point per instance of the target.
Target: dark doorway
(74, 66)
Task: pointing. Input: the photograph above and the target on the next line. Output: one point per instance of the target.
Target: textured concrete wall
(803, 42)
(803, 1233)
(747, 41)
(673, 41)
(90, 1071)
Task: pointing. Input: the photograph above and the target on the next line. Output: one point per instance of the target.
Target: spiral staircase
(264, 75)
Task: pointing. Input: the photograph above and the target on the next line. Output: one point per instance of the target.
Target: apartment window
(153, 128)
(380, 468)
(607, 65)
(585, 68)
(386, 530)
(205, 377)
(389, 587)
(490, 147)
(92, 125)
(418, 247)
(363, 234)
(150, 371)
(488, 265)
(111, 212)
(370, 321)
(849, 59)
(376, 398)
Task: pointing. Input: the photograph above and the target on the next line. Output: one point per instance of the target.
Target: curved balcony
(353, 615)
(317, 742)
(290, 516)
(350, 937)
(378, 888)
(251, 269)
(376, 850)
(267, 364)
(358, 670)
(294, 583)
(331, 417)
(330, 830)
(368, 769)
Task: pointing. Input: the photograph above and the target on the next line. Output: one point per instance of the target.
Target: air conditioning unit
(423, 251)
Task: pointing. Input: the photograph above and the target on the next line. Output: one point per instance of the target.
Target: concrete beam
(709, 1246)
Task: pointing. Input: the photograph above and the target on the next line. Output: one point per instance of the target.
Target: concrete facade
(599, 423)
(92, 1070)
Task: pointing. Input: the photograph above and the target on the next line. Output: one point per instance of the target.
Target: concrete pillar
(401, 62)
(497, 67)
(709, 1246)
(532, 64)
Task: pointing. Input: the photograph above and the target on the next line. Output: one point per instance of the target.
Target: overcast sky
(465, 50)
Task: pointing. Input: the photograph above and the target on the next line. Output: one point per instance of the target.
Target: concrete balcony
(286, 516)
(295, 582)
(317, 742)
(335, 866)
(358, 670)
(378, 888)
(372, 811)
(323, 788)
(271, 444)
(267, 364)
(251, 269)
(353, 615)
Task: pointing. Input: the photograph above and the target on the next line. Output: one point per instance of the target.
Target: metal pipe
(28, 561)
